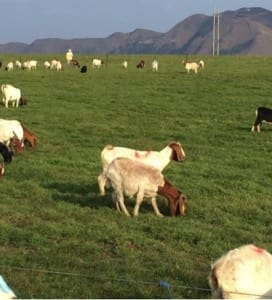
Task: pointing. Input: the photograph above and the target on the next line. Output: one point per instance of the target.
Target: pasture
(60, 239)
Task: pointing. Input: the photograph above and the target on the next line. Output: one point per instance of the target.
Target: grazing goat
(6, 153)
(242, 273)
(10, 66)
(12, 134)
(53, 64)
(97, 63)
(125, 64)
(263, 114)
(59, 66)
(75, 63)
(156, 159)
(129, 178)
(201, 64)
(29, 137)
(12, 94)
(18, 64)
(47, 64)
(83, 69)
(30, 65)
(140, 65)
(191, 66)
(155, 66)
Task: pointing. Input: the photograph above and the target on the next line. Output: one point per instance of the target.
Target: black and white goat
(263, 114)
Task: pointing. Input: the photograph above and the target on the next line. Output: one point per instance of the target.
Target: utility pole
(216, 33)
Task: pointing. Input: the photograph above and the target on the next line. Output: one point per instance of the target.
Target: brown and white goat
(132, 178)
(157, 159)
(141, 64)
(263, 114)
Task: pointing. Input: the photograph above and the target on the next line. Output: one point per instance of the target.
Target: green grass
(60, 239)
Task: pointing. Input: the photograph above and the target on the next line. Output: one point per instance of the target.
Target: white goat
(46, 64)
(18, 64)
(156, 159)
(125, 64)
(201, 64)
(129, 178)
(54, 63)
(191, 66)
(30, 64)
(58, 66)
(10, 66)
(97, 63)
(10, 94)
(155, 66)
(242, 273)
(10, 129)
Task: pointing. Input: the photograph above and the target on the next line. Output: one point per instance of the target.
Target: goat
(141, 64)
(30, 64)
(12, 134)
(10, 66)
(53, 64)
(155, 66)
(242, 273)
(191, 66)
(97, 63)
(129, 178)
(263, 114)
(83, 69)
(74, 62)
(59, 66)
(11, 94)
(46, 64)
(29, 137)
(156, 159)
(201, 64)
(18, 64)
(125, 64)
(6, 153)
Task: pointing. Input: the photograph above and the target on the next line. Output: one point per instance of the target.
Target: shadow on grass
(88, 196)
(79, 194)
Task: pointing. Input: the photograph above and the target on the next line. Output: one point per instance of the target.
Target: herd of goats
(244, 272)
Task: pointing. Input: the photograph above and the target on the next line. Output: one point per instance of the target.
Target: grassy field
(60, 239)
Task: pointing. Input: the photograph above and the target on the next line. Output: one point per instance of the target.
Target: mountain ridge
(242, 31)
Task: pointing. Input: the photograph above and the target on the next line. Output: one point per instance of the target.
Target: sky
(28, 20)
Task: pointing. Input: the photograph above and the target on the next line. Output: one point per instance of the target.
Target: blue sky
(27, 20)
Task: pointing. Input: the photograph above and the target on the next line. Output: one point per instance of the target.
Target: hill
(243, 31)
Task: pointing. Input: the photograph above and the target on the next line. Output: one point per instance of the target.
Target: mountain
(243, 31)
